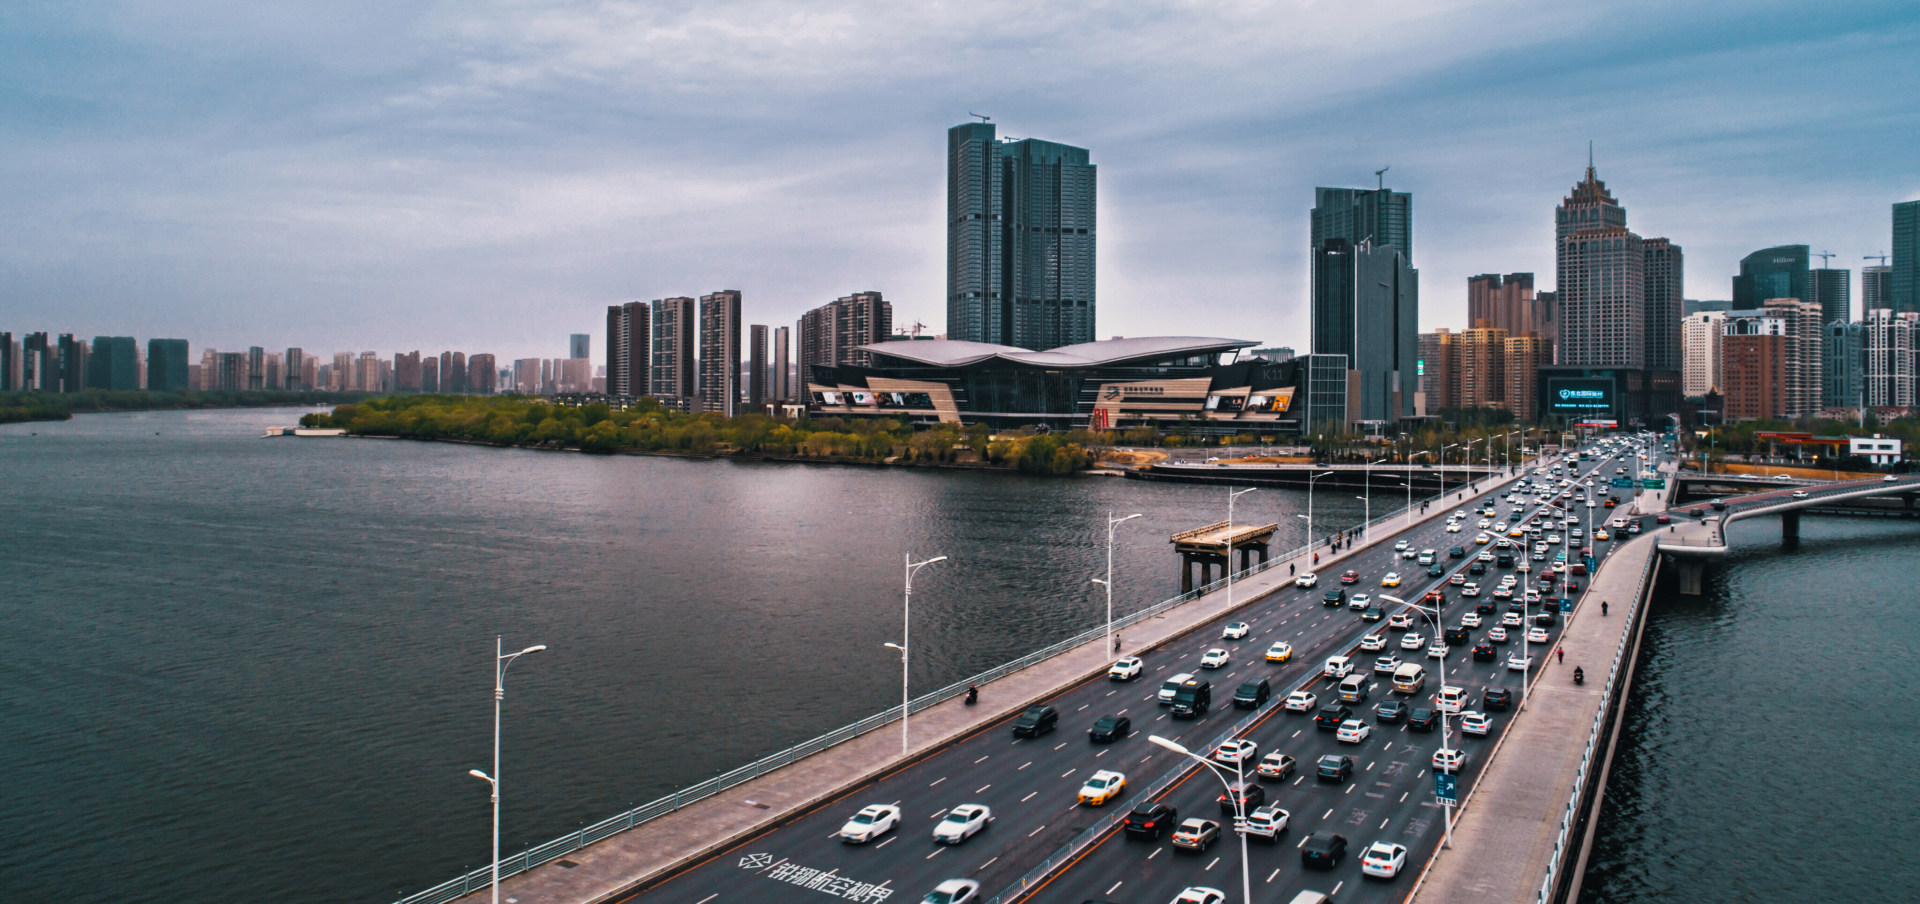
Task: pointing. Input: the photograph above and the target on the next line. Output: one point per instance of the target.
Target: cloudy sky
(487, 175)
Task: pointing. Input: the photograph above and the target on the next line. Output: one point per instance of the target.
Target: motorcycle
(973, 696)
(1579, 677)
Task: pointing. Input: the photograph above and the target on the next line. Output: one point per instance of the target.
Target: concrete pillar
(1790, 526)
(1186, 574)
(1692, 571)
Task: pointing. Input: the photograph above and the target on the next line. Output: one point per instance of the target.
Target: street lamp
(1232, 494)
(500, 663)
(1433, 615)
(906, 637)
(1112, 523)
(1443, 470)
(1409, 462)
(1310, 482)
(1366, 531)
(1239, 805)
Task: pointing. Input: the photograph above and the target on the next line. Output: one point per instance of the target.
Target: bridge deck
(1213, 538)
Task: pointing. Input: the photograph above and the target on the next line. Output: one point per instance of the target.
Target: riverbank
(19, 407)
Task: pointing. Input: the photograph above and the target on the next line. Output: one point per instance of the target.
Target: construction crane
(983, 117)
(1381, 175)
(1826, 258)
(1882, 258)
(917, 327)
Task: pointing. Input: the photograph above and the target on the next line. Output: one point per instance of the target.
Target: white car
(1497, 634)
(1470, 619)
(1449, 759)
(1306, 580)
(1475, 723)
(954, 891)
(1470, 589)
(1400, 620)
(1300, 702)
(1485, 524)
(961, 823)
(1553, 539)
(1359, 601)
(1518, 663)
(1386, 665)
(1200, 894)
(870, 823)
(1352, 731)
(1235, 631)
(1127, 669)
(1413, 641)
(1484, 557)
(1214, 659)
(1438, 651)
(1373, 642)
(1383, 859)
(1512, 619)
(1453, 527)
(1799, 494)
(1536, 634)
(1238, 750)
(1267, 822)
(1402, 546)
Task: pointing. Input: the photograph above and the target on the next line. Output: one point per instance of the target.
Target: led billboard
(1578, 396)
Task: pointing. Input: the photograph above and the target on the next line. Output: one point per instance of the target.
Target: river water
(259, 669)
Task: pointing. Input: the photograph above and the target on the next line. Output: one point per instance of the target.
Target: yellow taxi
(1391, 580)
(1281, 651)
(1102, 787)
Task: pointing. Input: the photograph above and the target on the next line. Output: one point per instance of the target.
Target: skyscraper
(482, 374)
(1906, 256)
(1778, 272)
(113, 364)
(1020, 240)
(406, 371)
(1888, 349)
(1438, 371)
(1701, 341)
(720, 352)
(1505, 303)
(1753, 368)
(1525, 355)
(1665, 273)
(73, 364)
(39, 367)
(256, 368)
(430, 374)
(782, 380)
(1366, 296)
(1802, 371)
(1844, 357)
(628, 348)
(1600, 270)
(297, 364)
(9, 363)
(1832, 290)
(230, 371)
(832, 333)
(673, 350)
(756, 367)
(580, 345)
(1876, 288)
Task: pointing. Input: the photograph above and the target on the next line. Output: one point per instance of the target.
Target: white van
(1173, 687)
(1409, 679)
(1337, 667)
(1426, 557)
(1311, 897)
(1451, 699)
(1353, 688)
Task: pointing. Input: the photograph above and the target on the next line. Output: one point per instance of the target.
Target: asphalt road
(1031, 784)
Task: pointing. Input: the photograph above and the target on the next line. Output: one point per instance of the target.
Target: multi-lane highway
(1031, 783)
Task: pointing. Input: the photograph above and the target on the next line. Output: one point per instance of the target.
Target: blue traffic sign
(1446, 787)
(1566, 604)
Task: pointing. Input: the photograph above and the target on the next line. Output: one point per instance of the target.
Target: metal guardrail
(566, 844)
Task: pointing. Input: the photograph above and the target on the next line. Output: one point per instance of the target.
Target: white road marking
(884, 843)
(1116, 886)
(1063, 743)
(1156, 853)
(1271, 875)
(1035, 832)
(1210, 865)
(1029, 796)
(1303, 838)
(1383, 822)
(936, 851)
(983, 789)
(1336, 887)
(1069, 772)
(981, 760)
(709, 898)
(1327, 815)
(938, 781)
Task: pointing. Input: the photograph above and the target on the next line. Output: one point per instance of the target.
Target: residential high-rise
(39, 367)
(73, 364)
(114, 364)
(782, 380)
(481, 374)
(1438, 371)
(9, 363)
(1802, 372)
(756, 367)
(256, 368)
(341, 377)
(628, 348)
(1889, 352)
(1481, 357)
(406, 371)
(526, 376)
(1692, 306)
(1701, 346)
(673, 351)
(720, 352)
(580, 345)
(366, 372)
(1020, 240)
(1505, 303)
(297, 364)
(1876, 288)
(832, 334)
(230, 372)
(274, 378)
(1753, 365)
(1600, 270)
(1906, 257)
(1844, 357)
(430, 374)
(1525, 355)
(1832, 290)
(1779, 272)
(1665, 274)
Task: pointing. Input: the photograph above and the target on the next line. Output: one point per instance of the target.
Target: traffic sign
(1446, 788)
(1566, 604)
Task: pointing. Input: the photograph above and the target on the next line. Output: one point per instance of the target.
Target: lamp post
(500, 663)
(1232, 494)
(1443, 470)
(1112, 523)
(1433, 615)
(1310, 482)
(906, 637)
(1239, 805)
(1409, 463)
(1366, 530)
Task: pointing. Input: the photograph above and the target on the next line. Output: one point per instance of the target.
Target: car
(1383, 859)
(1360, 601)
(1497, 634)
(1350, 577)
(1484, 653)
(1235, 631)
(1390, 710)
(1373, 642)
(1386, 665)
(1150, 820)
(1300, 702)
(1633, 527)
(1782, 478)
(1274, 767)
(871, 822)
(1435, 571)
(1483, 539)
(1200, 894)
(1453, 527)
(1036, 721)
(1126, 669)
(1392, 579)
(1330, 716)
(1333, 767)
(1601, 534)
(1699, 512)
(1719, 505)
(1438, 650)
(1243, 795)
(1470, 619)
(1889, 479)
(1372, 614)
(961, 823)
(1306, 580)
(1475, 723)
(1458, 580)
(1401, 546)
(1413, 641)
(1536, 634)
(1422, 718)
(1553, 539)
(1196, 835)
(1800, 494)
(1101, 787)
(1333, 597)
(953, 891)
(1401, 620)
(1496, 699)
(1281, 651)
(1513, 619)
(1484, 524)
(1110, 728)
(1449, 759)
(1662, 518)
(1458, 552)
(1214, 658)
(1323, 850)
(1235, 751)
(1518, 663)
(1267, 823)
(1352, 731)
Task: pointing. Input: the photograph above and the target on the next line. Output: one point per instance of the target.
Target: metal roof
(957, 353)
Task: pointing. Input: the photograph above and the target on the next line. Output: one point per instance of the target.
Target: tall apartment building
(720, 352)
(1020, 240)
(526, 376)
(39, 367)
(1506, 303)
(114, 364)
(406, 371)
(1701, 345)
(580, 345)
(230, 371)
(756, 367)
(1905, 276)
(298, 369)
(340, 376)
(167, 364)
(482, 374)
(453, 373)
(1439, 373)
(73, 363)
(1832, 290)
(1876, 288)
(256, 368)
(430, 374)
(1843, 352)
(366, 372)
(1889, 351)
(9, 363)
(1601, 274)
(1525, 355)
(1783, 271)
(1665, 275)
(831, 334)
(1366, 296)
(1481, 358)
(782, 380)
(674, 320)
(1484, 368)
(1803, 370)
(1753, 364)
(629, 348)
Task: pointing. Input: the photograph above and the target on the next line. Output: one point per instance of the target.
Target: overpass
(1690, 544)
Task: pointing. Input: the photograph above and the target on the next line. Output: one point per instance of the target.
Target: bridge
(1691, 543)
(1214, 545)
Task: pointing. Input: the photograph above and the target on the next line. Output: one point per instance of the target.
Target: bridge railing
(566, 844)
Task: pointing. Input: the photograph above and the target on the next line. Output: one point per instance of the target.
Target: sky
(489, 175)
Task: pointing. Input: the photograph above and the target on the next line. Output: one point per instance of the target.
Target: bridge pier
(1790, 526)
(1215, 544)
(1692, 571)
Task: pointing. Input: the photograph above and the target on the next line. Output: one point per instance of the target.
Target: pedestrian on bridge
(1289, 569)
(1603, 608)
(1562, 654)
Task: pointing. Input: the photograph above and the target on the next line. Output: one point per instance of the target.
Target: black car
(1036, 721)
(1436, 572)
(1455, 635)
(1719, 505)
(1251, 795)
(1484, 653)
(1388, 711)
(1496, 699)
(1458, 552)
(1150, 821)
(1253, 694)
(1422, 718)
(1333, 767)
(1334, 597)
(1545, 618)
(1372, 614)
(1504, 560)
(1323, 850)
(1477, 567)
(1110, 728)
(1331, 715)
(1484, 606)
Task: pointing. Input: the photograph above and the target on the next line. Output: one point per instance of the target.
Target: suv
(1331, 715)
(1150, 821)
(1036, 721)
(1334, 597)
(1497, 699)
(1193, 699)
(1267, 823)
(1253, 694)
(1250, 794)
(1127, 669)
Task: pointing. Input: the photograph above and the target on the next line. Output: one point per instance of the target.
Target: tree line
(59, 406)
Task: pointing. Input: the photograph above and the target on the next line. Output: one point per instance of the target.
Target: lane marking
(1383, 822)
(1063, 743)
(1115, 887)
(981, 760)
(884, 843)
(1069, 772)
(1271, 875)
(938, 781)
(1156, 853)
(1327, 815)
(1030, 796)
(983, 789)
(936, 852)
(1035, 831)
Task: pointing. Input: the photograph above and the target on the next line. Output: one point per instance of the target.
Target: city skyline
(438, 220)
